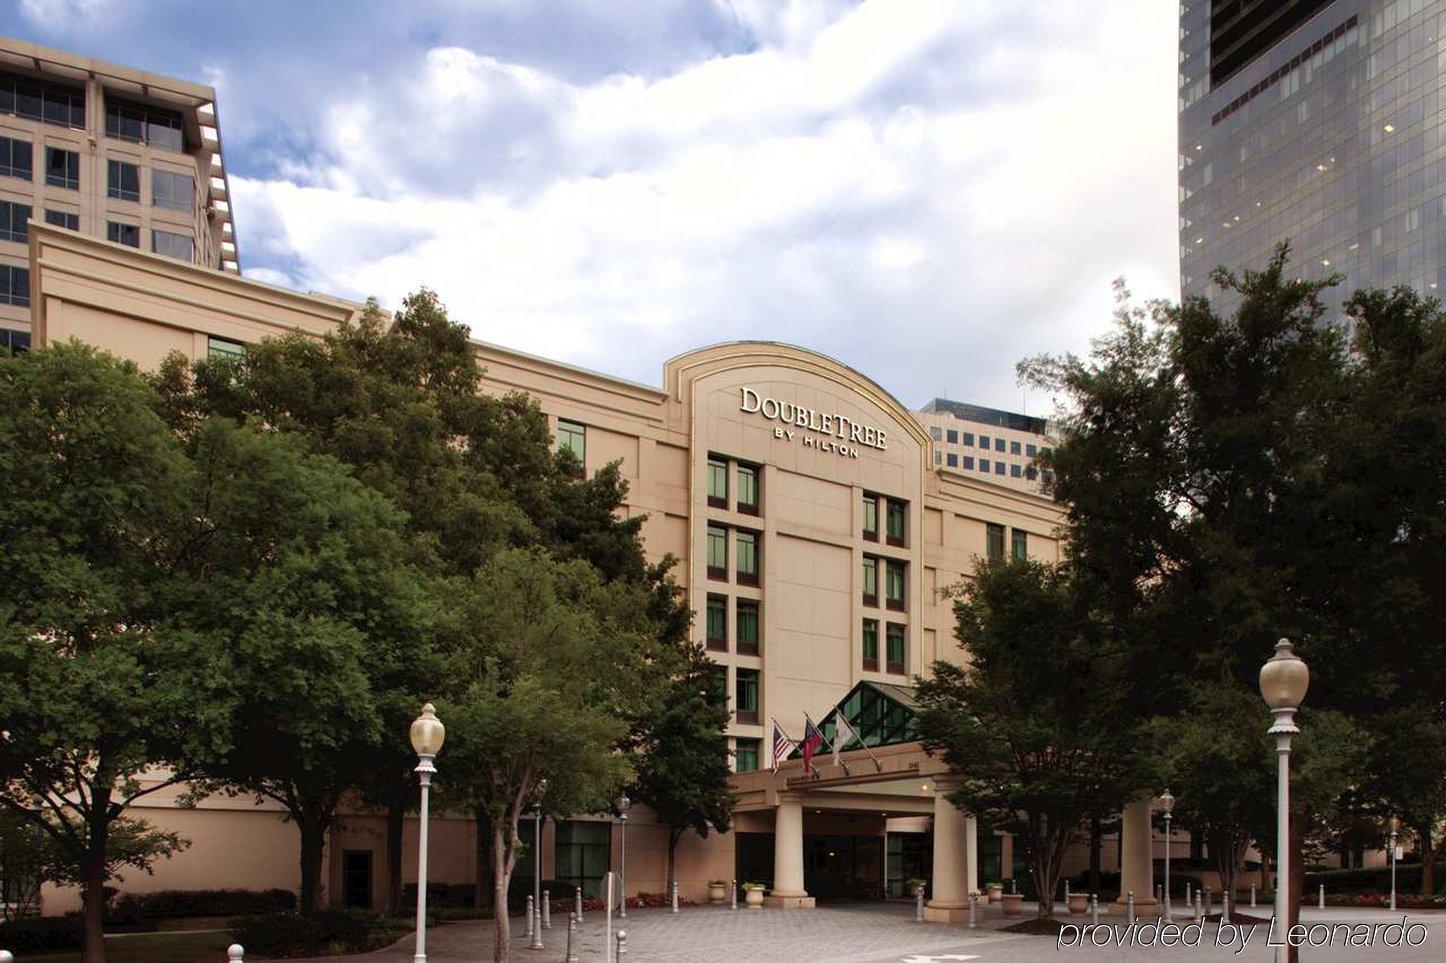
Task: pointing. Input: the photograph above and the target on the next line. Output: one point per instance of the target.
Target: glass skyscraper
(1319, 122)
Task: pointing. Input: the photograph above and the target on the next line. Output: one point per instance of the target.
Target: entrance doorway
(844, 867)
(356, 878)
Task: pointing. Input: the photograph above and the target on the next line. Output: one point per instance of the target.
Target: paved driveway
(868, 933)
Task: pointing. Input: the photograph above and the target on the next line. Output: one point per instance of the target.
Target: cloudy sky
(927, 190)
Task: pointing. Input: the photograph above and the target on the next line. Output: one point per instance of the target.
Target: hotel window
(122, 180)
(999, 468)
(747, 557)
(221, 348)
(953, 459)
(573, 437)
(748, 500)
(41, 100)
(155, 126)
(953, 437)
(984, 442)
(1031, 450)
(717, 623)
(745, 756)
(871, 645)
(582, 854)
(1047, 476)
(1031, 472)
(934, 432)
(14, 285)
(717, 483)
(745, 693)
(15, 158)
(871, 517)
(938, 457)
(894, 648)
(1015, 471)
(894, 519)
(969, 462)
(127, 234)
(717, 552)
(993, 540)
(871, 580)
(63, 219)
(999, 444)
(13, 218)
(14, 342)
(747, 626)
(1019, 544)
(175, 191)
(718, 676)
(894, 584)
(968, 438)
(178, 246)
(984, 465)
(1014, 447)
(62, 168)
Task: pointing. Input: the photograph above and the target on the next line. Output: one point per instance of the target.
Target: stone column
(955, 858)
(788, 891)
(1137, 868)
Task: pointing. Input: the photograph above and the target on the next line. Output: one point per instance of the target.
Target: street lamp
(1395, 829)
(1167, 806)
(1284, 680)
(623, 803)
(427, 734)
(536, 921)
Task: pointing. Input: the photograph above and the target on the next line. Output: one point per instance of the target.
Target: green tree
(682, 761)
(1034, 722)
(103, 698)
(553, 656)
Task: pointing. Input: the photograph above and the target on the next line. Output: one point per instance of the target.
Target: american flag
(782, 745)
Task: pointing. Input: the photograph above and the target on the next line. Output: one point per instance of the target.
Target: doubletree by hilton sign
(826, 431)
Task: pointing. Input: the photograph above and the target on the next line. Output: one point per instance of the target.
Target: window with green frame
(221, 348)
(993, 541)
(1020, 544)
(717, 552)
(871, 645)
(719, 677)
(582, 854)
(717, 483)
(573, 437)
(745, 755)
(871, 580)
(748, 501)
(747, 627)
(894, 584)
(717, 622)
(871, 517)
(895, 521)
(747, 557)
(745, 692)
(894, 651)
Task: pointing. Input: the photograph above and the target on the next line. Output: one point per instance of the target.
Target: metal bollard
(919, 906)
(577, 895)
(973, 911)
(622, 945)
(1225, 907)
(1197, 906)
(675, 895)
(235, 953)
(537, 931)
(1206, 891)
(1252, 896)
(1094, 909)
(1066, 894)
(733, 894)
(1159, 894)
(571, 947)
(1322, 895)
(546, 910)
(527, 934)
(1130, 907)
(1013, 885)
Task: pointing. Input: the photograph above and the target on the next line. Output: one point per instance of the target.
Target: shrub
(41, 933)
(1377, 879)
(174, 904)
(328, 932)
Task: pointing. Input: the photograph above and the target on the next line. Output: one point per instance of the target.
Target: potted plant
(1079, 901)
(993, 890)
(753, 895)
(1011, 903)
(717, 890)
(916, 886)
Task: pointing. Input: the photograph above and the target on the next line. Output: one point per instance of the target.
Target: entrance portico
(956, 857)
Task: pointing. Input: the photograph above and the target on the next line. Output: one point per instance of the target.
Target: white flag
(843, 734)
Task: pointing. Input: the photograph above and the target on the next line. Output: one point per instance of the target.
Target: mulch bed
(1039, 926)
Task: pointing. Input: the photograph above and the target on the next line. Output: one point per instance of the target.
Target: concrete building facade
(819, 540)
(1002, 446)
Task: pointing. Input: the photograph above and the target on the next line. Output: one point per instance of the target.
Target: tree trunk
(311, 822)
(1096, 845)
(396, 816)
(504, 852)
(93, 882)
(1428, 862)
(673, 836)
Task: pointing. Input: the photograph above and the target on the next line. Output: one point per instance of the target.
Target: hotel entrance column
(788, 891)
(954, 858)
(1137, 863)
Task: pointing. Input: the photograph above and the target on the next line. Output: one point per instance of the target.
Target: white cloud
(929, 190)
(63, 14)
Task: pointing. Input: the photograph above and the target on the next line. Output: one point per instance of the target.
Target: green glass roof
(882, 714)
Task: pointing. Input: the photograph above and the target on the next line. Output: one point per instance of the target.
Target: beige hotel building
(819, 534)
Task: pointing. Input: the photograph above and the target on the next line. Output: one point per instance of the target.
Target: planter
(916, 889)
(1011, 903)
(717, 892)
(993, 891)
(754, 899)
(1079, 903)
